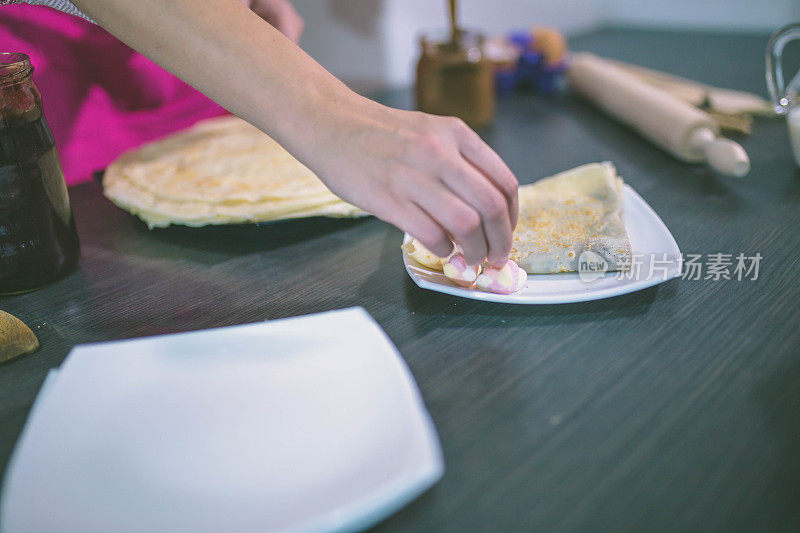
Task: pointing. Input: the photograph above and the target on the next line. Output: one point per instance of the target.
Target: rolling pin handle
(723, 155)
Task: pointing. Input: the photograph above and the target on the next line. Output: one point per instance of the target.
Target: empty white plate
(303, 424)
(656, 259)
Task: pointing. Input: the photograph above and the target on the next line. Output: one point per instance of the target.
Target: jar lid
(14, 66)
(464, 41)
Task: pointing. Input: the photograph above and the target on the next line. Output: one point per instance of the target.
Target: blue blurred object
(528, 68)
(521, 38)
(531, 71)
(505, 81)
(551, 78)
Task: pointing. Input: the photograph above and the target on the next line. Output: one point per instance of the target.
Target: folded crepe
(220, 171)
(562, 216)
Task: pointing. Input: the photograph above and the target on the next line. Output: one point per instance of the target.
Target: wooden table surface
(677, 407)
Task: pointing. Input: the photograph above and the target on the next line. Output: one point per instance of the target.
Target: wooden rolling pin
(681, 129)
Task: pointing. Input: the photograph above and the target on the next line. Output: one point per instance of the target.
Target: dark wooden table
(677, 407)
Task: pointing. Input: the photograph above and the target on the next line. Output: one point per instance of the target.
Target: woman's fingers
(492, 206)
(290, 23)
(483, 213)
(429, 175)
(459, 219)
(490, 165)
(280, 14)
(417, 223)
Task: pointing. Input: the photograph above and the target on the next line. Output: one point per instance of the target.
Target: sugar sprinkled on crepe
(564, 215)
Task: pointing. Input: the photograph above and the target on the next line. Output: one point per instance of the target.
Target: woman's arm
(430, 176)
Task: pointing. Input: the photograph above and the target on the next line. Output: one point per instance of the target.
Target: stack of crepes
(220, 171)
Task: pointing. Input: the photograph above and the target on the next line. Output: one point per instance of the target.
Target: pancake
(220, 171)
(157, 212)
(564, 215)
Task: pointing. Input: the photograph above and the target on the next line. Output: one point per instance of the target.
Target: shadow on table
(103, 224)
(237, 239)
(428, 302)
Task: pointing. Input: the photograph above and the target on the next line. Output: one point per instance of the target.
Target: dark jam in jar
(38, 241)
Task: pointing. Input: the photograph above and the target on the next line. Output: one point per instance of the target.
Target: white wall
(373, 43)
(406, 19)
(346, 37)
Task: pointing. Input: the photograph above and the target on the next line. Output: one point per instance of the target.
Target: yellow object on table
(15, 337)
(550, 43)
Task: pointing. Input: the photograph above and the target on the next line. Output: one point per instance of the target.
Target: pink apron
(100, 97)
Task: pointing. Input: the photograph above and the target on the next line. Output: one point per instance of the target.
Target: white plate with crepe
(654, 258)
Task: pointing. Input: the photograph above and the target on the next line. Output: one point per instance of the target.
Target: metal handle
(781, 95)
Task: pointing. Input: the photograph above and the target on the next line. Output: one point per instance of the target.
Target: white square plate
(656, 259)
(304, 424)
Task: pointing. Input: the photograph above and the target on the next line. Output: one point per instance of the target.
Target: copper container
(455, 78)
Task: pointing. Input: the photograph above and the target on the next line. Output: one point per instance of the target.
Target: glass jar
(38, 240)
(785, 96)
(455, 78)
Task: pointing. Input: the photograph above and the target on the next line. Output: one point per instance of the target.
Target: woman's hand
(280, 14)
(428, 175)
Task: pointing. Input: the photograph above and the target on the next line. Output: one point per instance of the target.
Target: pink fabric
(99, 96)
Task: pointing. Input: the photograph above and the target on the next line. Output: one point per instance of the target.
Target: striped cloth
(62, 5)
